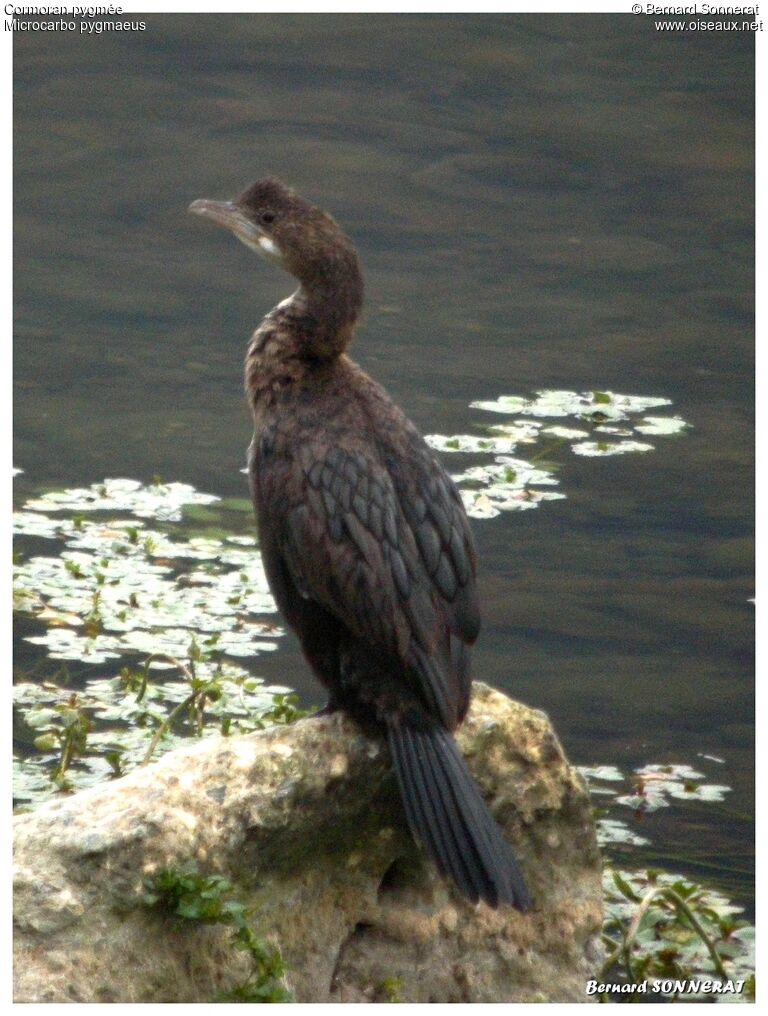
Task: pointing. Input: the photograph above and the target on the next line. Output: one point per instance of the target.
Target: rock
(305, 821)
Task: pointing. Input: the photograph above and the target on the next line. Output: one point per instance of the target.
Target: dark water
(539, 201)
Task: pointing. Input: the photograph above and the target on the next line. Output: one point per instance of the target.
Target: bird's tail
(449, 818)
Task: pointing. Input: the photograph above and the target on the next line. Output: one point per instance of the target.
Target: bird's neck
(305, 335)
(325, 309)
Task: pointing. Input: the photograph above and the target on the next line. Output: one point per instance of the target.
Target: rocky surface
(305, 821)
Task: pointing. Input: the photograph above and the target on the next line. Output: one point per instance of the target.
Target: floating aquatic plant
(669, 939)
(647, 789)
(613, 832)
(654, 785)
(566, 433)
(608, 448)
(511, 484)
(156, 500)
(114, 724)
(586, 405)
(661, 425)
(118, 587)
(591, 773)
(661, 929)
(500, 439)
(508, 484)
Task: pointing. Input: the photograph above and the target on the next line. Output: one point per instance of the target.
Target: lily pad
(609, 448)
(115, 578)
(152, 501)
(550, 402)
(487, 490)
(662, 425)
(655, 785)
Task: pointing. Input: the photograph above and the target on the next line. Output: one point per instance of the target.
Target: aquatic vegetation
(605, 426)
(586, 405)
(653, 785)
(647, 789)
(614, 831)
(662, 931)
(156, 500)
(506, 484)
(117, 590)
(591, 773)
(114, 724)
(661, 425)
(606, 448)
(63, 727)
(499, 440)
(118, 587)
(661, 927)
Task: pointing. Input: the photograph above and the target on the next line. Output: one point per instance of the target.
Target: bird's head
(287, 230)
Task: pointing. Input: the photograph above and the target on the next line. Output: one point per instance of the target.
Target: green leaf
(190, 909)
(46, 742)
(625, 888)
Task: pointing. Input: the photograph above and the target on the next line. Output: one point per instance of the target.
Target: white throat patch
(269, 249)
(263, 245)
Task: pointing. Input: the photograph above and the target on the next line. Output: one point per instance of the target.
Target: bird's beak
(230, 215)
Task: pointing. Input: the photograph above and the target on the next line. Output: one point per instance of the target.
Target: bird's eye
(267, 218)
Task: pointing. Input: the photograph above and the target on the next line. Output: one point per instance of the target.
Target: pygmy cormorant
(365, 540)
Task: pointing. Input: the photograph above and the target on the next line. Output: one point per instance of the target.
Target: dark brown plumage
(365, 540)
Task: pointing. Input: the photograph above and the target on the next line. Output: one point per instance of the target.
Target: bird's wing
(383, 544)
